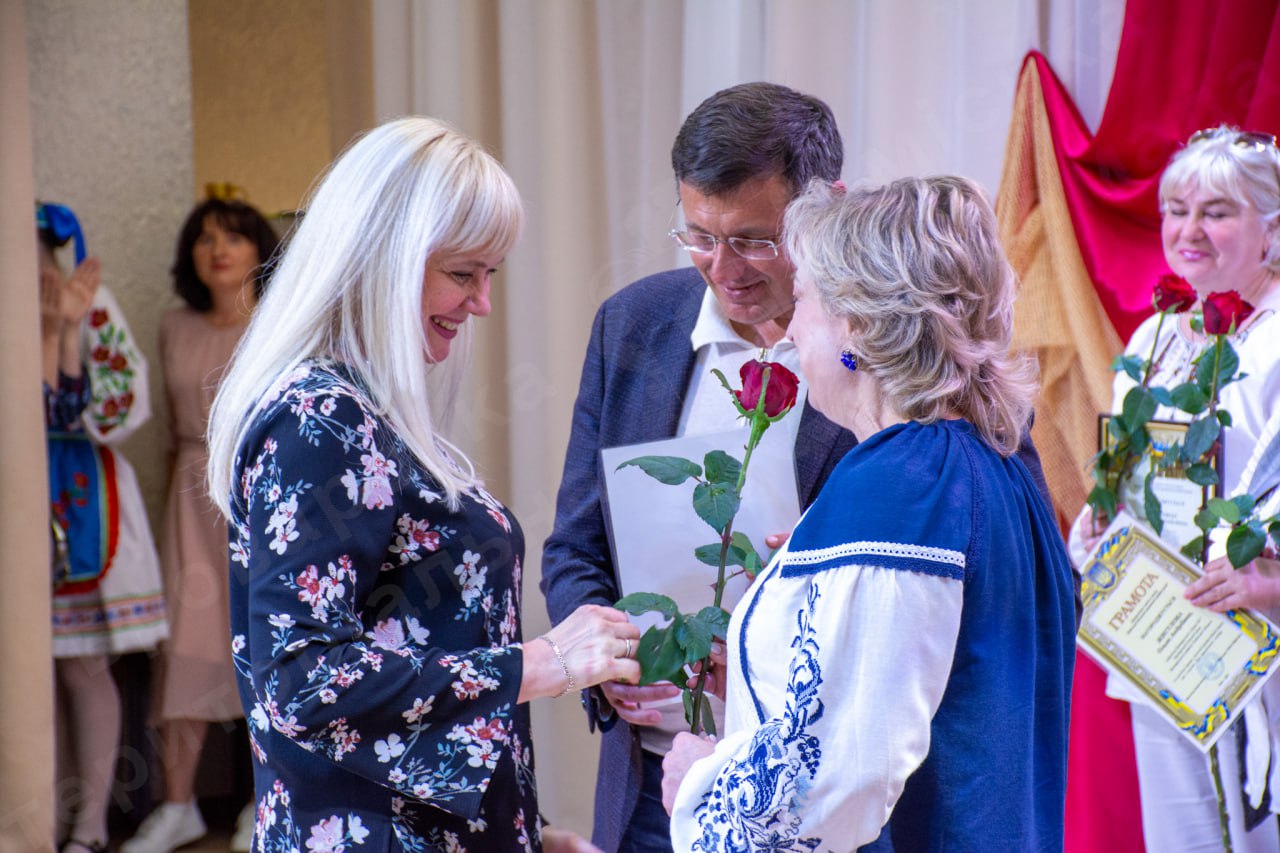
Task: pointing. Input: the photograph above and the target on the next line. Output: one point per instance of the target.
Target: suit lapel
(820, 444)
(673, 350)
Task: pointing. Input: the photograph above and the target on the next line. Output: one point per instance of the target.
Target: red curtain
(1182, 65)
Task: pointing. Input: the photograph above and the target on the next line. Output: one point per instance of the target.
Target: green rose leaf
(716, 619)
(708, 719)
(1228, 362)
(1206, 519)
(722, 468)
(638, 603)
(1138, 408)
(1202, 474)
(694, 637)
(672, 470)
(1151, 503)
(1189, 398)
(1245, 504)
(710, 554)
(1225, 510)
(659, 655)
(1162, 395)
(1200, 437)
(1224, 417)
(742, 542)
(1193, 548)
(1139, 439)
(716, 504)
(1245, 543)
(1130, 364)
(1104, 500)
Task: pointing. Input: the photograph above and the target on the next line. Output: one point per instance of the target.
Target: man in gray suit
(739, 159)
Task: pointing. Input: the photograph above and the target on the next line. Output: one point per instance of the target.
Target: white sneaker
(169, 826)
(242, 840)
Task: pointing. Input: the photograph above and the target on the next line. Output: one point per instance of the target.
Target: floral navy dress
(376, 638)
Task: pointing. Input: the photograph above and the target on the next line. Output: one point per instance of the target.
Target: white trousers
(1179, 805)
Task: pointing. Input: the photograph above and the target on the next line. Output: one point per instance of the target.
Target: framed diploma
(1180, 499)
(1197, 668)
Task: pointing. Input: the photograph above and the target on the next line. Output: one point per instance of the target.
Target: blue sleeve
(63, 406)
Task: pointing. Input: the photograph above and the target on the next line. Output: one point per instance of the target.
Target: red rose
(779, 396)
(100, 354)
(97, 317)
(1224, 312)
(1173, 294)
(126, 399)
(119, 362)
(110, 408)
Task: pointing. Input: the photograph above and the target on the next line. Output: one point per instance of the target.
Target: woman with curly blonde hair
(926, 596)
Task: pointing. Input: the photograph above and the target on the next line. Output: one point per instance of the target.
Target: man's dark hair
(756, 130)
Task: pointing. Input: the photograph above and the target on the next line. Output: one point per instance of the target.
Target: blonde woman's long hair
(916, 270)
(349, 287)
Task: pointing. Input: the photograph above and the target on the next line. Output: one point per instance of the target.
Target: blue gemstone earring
(848, 359)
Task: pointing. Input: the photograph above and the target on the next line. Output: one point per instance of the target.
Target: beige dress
(196, 679)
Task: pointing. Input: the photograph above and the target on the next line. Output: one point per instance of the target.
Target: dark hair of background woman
(234, 216)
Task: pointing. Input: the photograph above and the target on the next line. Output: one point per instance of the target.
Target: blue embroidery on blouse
(754, 803)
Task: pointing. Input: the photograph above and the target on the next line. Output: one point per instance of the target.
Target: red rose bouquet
(1214, 368)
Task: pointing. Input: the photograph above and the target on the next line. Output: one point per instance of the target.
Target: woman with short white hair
(375, 583)
(1220, 228)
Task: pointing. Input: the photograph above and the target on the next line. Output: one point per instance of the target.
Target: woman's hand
(685, 750)
(1223, 588)
(77, 292)
(1086, 532)
(716, 674)
(556, 840)
(598, 644)
(628, 701)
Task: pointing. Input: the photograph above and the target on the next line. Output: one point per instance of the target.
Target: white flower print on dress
(419, 710)
(389, 748)
(472, 576)
(342, 632)
(283, 524)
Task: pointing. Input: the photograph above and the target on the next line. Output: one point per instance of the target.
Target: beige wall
(26, 691)
(278, 89)
(110, 99)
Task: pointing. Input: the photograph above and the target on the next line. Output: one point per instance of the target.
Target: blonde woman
(375, 582)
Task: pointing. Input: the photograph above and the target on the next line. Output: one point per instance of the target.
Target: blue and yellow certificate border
(1125, 542)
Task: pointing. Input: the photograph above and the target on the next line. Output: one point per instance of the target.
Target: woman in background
(375, 582)
(111, 602)
(219, 271)
(1220, 227)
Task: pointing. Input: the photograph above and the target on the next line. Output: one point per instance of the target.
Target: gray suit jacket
(637, 369)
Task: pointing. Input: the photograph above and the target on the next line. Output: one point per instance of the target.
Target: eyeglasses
(702, 243)
(1244, 138)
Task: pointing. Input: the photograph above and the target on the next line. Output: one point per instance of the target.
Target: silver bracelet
(571, 684)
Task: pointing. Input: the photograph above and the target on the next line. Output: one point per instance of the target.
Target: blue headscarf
(59, 221)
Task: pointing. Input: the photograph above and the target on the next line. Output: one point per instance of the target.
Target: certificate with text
(1197, 668)
(1180, 498)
